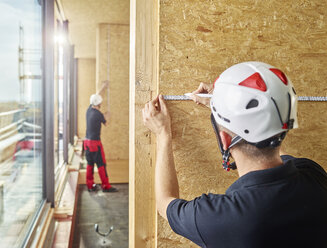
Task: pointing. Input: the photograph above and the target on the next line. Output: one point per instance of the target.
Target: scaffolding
(18, 126)
(26, 59)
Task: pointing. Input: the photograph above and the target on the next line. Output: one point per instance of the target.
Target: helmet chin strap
(225, 153)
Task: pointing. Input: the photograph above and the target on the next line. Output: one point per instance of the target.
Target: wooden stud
(144, 33)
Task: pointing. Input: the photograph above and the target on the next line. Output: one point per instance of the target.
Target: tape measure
(176, 97)
(300, 98)
(312, 98)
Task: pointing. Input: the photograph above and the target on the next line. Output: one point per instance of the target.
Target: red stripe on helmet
(255, 81)
(214, 82)
(279, 74)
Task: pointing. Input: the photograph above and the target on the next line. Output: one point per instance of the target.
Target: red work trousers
(94, 154)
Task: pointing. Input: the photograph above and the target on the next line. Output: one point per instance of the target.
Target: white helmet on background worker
(95, 99)
(256, 101)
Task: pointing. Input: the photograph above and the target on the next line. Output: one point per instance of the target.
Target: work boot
(94, 188)
(89, 176)
(104, 177)
(111, 189)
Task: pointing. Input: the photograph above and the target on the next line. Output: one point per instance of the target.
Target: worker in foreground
(94, 152)
(278, 201)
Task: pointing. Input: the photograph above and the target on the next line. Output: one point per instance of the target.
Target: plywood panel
(310, 140)
(85, 88)
(113, 65)
(85, 15)
(200, 39)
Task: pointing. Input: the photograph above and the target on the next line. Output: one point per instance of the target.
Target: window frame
(47, 7)
(48, 101)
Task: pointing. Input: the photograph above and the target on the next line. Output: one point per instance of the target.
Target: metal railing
(7, 118)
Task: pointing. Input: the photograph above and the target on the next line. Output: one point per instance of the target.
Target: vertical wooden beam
(144, 57)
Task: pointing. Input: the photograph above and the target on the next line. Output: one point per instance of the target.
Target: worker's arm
(103, 87)
(106, 116)
(203, 88)
(157, 119)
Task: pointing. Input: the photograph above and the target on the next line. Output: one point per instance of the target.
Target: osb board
(85, 88)
(310, 139)
(115, 135)
(200, 39)
(85, 15)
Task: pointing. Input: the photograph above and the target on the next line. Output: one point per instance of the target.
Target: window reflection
(60, 40)
(20, 118)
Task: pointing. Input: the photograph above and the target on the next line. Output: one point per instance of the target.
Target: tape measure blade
(300, 98)
(176, 98)
(312, 98)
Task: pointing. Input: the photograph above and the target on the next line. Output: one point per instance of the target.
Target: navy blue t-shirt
(284, 206)
(94, 118)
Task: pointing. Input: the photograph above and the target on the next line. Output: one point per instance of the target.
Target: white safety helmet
(95, 99)
(254, 100)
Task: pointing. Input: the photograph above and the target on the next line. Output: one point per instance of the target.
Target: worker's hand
(105, 84)
(107, 115)
(203, 88)
(156, 116)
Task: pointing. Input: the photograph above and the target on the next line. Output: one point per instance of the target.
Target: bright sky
(12, 14)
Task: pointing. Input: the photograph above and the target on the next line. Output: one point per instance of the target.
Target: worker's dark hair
(259, 154)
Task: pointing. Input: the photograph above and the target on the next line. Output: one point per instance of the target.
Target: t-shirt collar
(263, 176)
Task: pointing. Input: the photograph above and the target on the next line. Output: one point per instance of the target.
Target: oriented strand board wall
(200, 39)
(115, 135)
(112, 63)
(85, 15)
(85, 88)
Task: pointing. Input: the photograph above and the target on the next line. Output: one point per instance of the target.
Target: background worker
(278, 201)
(92, 144)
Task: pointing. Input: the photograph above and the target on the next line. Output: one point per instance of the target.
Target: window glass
(20, 118)
(60, 40)
(60, 104)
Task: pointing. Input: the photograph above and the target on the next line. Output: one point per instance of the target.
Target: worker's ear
(226, 139)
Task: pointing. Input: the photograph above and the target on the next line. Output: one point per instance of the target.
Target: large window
(60, 99)
(20, 118)
(59, 95)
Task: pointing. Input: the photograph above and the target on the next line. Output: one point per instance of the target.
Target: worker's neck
(96, 107)
(246, 164)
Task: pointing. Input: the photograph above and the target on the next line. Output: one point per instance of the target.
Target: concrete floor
(106, 210)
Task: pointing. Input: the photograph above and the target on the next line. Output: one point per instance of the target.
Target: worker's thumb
(162, 103)
(200, 100)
